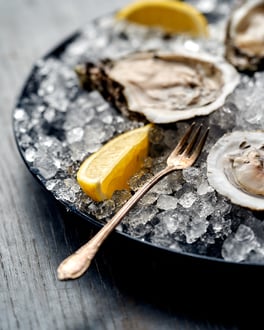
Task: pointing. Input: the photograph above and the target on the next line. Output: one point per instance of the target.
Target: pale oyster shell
(245, 36)
(235, 168)
(164, 87)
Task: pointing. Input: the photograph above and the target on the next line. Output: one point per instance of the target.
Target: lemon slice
(173, 16)
(110, 168)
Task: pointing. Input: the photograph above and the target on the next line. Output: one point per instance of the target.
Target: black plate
(49, 126)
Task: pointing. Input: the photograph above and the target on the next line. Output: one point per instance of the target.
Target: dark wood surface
(127, 286)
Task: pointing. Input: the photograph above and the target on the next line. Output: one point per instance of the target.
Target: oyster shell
(245, 36)
(235, 168)
(162, 87)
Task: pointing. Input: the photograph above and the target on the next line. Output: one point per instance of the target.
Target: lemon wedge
(170, 15)
(110, 168)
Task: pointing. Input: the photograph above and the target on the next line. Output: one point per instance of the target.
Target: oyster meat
(235, 168)
(245, 36)
(163, 87)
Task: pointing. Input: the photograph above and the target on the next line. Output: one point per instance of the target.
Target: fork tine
(202, 141)
(200, 145)
(183, 139)
(192, 141)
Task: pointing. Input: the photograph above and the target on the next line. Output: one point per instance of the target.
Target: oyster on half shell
(245, 36)
(163, 87)
(235, 168)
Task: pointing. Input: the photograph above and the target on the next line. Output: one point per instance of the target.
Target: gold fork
(184, 155)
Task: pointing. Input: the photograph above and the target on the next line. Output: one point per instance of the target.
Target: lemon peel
(172, 16)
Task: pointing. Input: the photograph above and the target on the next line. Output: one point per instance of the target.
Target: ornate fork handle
(76, 264)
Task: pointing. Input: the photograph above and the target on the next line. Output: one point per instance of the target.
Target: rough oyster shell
(245, 36)
(162, 87)
(235, 168)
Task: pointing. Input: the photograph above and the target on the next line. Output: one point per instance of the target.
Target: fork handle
(77, 264)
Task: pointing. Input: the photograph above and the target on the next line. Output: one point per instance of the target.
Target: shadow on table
(203, 290)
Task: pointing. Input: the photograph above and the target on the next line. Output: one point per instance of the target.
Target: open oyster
(235, 168)
(245, 36)
(162, 87)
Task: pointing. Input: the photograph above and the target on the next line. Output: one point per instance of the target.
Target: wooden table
(127, 287)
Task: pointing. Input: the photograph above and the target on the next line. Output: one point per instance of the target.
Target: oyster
(235, 168)
(163, 87)
(245, 36)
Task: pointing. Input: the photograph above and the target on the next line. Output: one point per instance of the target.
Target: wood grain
(124, 288)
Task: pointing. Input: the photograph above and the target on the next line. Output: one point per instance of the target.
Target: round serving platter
(57, 124)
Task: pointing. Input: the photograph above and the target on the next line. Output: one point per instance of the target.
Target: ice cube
(166, 202)
(238, 246)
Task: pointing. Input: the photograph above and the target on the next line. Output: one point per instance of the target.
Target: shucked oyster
(163, 87)
(235, 168)
(245, 36)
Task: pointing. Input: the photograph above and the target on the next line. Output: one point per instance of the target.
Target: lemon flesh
(172, 16)
(110, 168)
